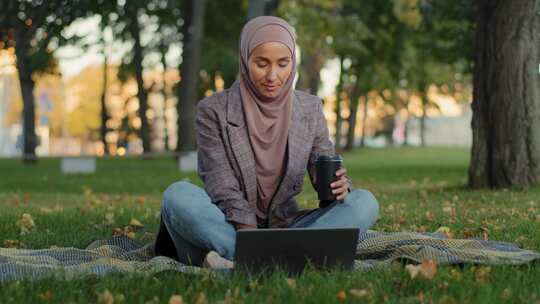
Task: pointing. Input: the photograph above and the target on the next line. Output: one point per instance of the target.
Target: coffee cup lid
(329, 158)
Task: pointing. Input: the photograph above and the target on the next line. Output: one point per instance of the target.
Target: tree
(261, 8)
(313, 21)
(132, 13)
(29, 27)
(506, 96)
(193, 33)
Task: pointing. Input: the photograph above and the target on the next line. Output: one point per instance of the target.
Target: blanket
(375, 250)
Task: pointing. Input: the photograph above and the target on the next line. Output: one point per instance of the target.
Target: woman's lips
(270, 88)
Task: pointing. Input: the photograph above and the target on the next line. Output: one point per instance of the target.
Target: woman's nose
(271, 75)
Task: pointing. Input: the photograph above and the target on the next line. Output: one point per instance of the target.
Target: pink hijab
(267, 118)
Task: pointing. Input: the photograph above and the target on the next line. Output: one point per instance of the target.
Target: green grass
(418, 190)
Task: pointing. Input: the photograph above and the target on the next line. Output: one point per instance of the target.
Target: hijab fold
(267, 119)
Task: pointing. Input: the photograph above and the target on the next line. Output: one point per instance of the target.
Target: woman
(255, 141)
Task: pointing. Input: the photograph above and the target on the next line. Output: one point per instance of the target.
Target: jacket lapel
(240, 144)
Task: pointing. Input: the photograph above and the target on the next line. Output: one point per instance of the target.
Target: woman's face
(270, 65)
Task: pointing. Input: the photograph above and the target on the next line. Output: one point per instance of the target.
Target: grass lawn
(418, 190)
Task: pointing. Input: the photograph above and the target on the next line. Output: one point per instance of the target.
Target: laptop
(292, 249)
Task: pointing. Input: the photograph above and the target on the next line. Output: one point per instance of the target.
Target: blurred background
(118, 78)
(96, 77)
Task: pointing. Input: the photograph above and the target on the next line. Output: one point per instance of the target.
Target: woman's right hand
(240, 226)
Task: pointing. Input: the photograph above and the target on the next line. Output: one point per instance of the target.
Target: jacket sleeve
(215, 170)
(322, 145)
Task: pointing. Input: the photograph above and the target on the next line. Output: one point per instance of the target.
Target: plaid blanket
(375, 250)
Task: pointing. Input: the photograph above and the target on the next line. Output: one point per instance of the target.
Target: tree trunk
(104, 113)
(262, 8)
(163, 50)
(22, 51)
(142, 95)
(406, 124)
(339, 119)
(364, 121)
(189, 68)
(352, 116)
(423, 97)
(506, 96)
(310, 76)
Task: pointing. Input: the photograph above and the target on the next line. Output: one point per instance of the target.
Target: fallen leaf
(481, 274)
(26, 198)
(45, 210)
(176, 299)
(291, 283)
(253, 286)
(420, 296)
(12, 243)
(446, 231)
(46, 296)
(118, 231)
(26, 223)
(136, 223)
(426, 270)
(109, 218)
(359, 293)
(140, 200)
(341, 295)
(485, 234)
(106, 297)
(445, 299)
(201, 298)
(455, 274)
(506, 293)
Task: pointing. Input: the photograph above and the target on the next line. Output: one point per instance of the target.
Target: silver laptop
(291, 249)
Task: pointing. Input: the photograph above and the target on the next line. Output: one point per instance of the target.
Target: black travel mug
(325, 168)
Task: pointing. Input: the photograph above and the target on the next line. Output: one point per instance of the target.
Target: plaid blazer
(226, 163)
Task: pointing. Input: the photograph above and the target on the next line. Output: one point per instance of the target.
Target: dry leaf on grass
(447, 209)
(201, 298)
(481, 274)
(341, 295)
(426, 270)
(106, 297)
(291, 283)
(126, 231)
(485, 233)
(109, 218)
(446, 231)
(140, 200)
(136, 223)
(12, 243)
(26, 223)
(46, 296)
(359, 293)
(176, 299)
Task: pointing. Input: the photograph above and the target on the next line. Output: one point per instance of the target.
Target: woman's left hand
(341, 186)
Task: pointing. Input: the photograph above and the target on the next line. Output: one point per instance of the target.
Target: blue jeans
(196, 225)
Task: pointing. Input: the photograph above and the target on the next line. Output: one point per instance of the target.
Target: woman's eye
(283, 65)
(261, 65)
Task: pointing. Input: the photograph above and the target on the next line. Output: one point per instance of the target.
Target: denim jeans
(196, 225)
